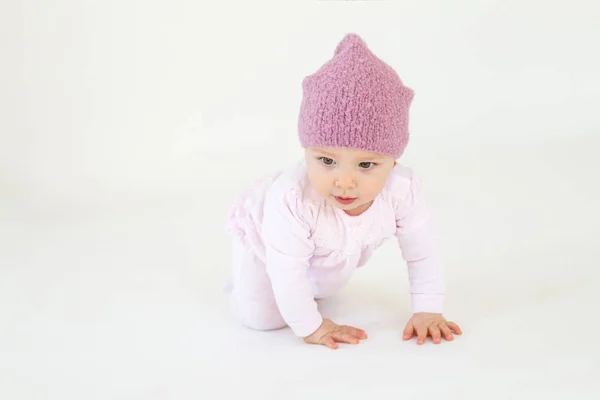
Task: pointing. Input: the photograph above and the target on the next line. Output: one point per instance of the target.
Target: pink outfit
(291, 247)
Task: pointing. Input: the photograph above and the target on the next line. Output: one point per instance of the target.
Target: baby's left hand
(428, 324)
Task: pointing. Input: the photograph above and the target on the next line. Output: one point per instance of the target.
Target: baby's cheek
(323, 189)
(320, 184)
(375, 188)
(369, 194)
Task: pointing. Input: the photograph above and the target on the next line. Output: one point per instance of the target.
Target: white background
(126, 129)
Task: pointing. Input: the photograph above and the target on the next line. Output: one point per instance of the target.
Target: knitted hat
(355, 100)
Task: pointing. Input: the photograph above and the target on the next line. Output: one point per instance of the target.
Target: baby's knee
(264, 322)
(258, 317)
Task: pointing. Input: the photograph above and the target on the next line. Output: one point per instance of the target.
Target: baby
(300, 234)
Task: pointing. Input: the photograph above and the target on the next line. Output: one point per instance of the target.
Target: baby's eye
(366, 164)
(326, 160)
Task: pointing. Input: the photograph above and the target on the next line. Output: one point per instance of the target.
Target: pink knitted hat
(355, 100)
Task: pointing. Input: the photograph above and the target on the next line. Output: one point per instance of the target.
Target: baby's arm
(418, 240)
(288, 248)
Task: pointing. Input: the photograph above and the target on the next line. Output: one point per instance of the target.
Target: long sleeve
(418, 240)
(288, 248)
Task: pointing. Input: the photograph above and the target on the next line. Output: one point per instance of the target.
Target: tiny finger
(359, 333)
(340, 336)
(446, 332)
(329, 342)
(455, 328)
(408, 331)
(421, 335)
(435, 334)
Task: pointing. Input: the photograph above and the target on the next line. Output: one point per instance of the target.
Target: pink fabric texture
(293, 247)
(355, 100)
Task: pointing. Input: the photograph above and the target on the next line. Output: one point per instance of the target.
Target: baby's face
(346, 178)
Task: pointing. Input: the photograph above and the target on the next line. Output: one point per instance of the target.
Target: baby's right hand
(329, 333)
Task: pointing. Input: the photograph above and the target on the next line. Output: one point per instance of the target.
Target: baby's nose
(345, 181)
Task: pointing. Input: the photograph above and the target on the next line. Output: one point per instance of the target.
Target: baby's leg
(252, 297)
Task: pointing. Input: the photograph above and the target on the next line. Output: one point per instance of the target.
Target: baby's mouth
(345, 200)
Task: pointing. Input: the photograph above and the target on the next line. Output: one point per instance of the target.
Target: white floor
(127, 303)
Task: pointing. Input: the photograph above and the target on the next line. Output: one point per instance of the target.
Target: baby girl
(300, 234)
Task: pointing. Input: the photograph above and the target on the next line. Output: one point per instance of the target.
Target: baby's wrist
(428, 303)
(315, 331)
